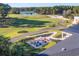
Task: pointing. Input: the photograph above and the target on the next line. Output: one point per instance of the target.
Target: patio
(43, 39)
(40, 41)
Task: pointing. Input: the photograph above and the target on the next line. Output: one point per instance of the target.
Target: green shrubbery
(23, 31)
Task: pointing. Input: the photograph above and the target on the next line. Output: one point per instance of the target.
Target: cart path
(34, 33)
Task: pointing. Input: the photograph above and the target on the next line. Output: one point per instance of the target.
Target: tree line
(4, 10)
(66, 11)
(20, 48)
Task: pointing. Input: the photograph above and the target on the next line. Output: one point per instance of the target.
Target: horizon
(41, 4)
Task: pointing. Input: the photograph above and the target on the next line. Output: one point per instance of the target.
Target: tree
(4, 9)
(4, 46)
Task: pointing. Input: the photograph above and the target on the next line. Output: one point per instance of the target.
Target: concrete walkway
(57, 16)
(62, 36)
(34, 33)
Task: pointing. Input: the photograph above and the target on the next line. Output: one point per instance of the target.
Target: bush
(58, 34)
(50, 24)
(23, 31)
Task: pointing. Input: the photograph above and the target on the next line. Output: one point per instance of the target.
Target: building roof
(70, 44)
(76, 17)
(27, 12)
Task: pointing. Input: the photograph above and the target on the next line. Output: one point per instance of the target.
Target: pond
(28, 13)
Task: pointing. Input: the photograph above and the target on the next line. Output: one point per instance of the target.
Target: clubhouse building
(76, 20)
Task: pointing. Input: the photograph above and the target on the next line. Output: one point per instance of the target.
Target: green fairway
(31, 17)
(31, 23)
(12, 32)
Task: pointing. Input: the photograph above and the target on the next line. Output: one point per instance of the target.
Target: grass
(24, 48)
(37, 22)
(58, 33)
(66, 23)
(50, 44)
(31, 17)
(36, 18)
(15, 15)
(13, 32)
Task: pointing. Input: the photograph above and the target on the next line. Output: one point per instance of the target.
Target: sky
(39, 4)
(39, 1)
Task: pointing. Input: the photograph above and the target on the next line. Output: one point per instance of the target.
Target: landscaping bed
(50, 44)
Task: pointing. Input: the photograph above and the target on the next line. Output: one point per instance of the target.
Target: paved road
(33, 33)
(71, 43)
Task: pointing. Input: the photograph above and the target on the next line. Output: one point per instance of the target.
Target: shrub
(23, 31)
(51, 24)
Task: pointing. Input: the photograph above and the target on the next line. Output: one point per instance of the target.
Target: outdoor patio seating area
(39, 42)
(42, 40)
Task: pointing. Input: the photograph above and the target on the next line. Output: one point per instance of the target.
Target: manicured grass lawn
(12, 32)
(13, 29)
(50, 45)
(15, 15)
(37, 22)
(31, 17)
(58, 33)
(36, 18)
(49, 20)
